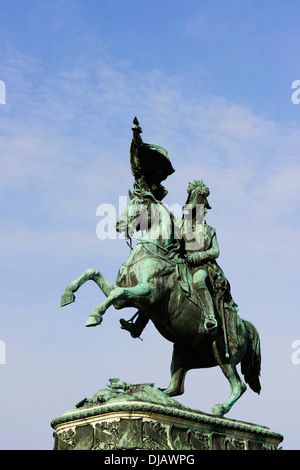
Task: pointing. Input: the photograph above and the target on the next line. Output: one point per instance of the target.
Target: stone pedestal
(141, 417)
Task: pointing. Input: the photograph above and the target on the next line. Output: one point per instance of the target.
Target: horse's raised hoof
(67, 298)
(94, 319)
(218, 410)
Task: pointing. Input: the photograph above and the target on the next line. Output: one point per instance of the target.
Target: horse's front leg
(142, 290)
(90, 274)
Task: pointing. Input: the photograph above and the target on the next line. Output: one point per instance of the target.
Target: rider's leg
(135, 328)
(199, 280)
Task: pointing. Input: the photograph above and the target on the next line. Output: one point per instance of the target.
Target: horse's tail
(251, 362)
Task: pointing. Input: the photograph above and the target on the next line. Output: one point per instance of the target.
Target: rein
(170, 250)
(129, 244)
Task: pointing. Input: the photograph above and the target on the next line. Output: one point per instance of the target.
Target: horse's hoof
(67, 298)
(218, 410)
(94, 319)
(171, 392)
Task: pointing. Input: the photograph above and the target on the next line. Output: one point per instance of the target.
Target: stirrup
(210, 323)
(129, 326)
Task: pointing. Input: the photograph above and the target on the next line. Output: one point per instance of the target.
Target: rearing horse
(151, 280)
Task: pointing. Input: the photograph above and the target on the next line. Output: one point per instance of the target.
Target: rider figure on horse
(200, 252)
(209, 281)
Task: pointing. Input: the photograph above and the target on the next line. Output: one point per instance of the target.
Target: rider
(201, 251)
(201, 246)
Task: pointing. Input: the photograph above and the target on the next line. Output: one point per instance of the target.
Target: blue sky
(211, 82)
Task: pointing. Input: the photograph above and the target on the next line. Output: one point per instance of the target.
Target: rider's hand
(193, 259)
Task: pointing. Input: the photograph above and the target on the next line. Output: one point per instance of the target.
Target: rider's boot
(136, 328)
(210, 322)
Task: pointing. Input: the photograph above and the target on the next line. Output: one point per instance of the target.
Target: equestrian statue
(172, 278)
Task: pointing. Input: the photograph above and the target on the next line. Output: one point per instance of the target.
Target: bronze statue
(174, 281)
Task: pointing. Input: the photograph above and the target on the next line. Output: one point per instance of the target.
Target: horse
(152, 280)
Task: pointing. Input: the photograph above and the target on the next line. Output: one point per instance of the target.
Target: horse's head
(144, 213)
(138, 215)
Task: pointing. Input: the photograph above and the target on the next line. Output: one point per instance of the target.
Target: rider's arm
(197, 257)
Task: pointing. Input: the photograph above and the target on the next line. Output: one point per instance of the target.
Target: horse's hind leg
(90, 274)
(178, 372)
(237, 386)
